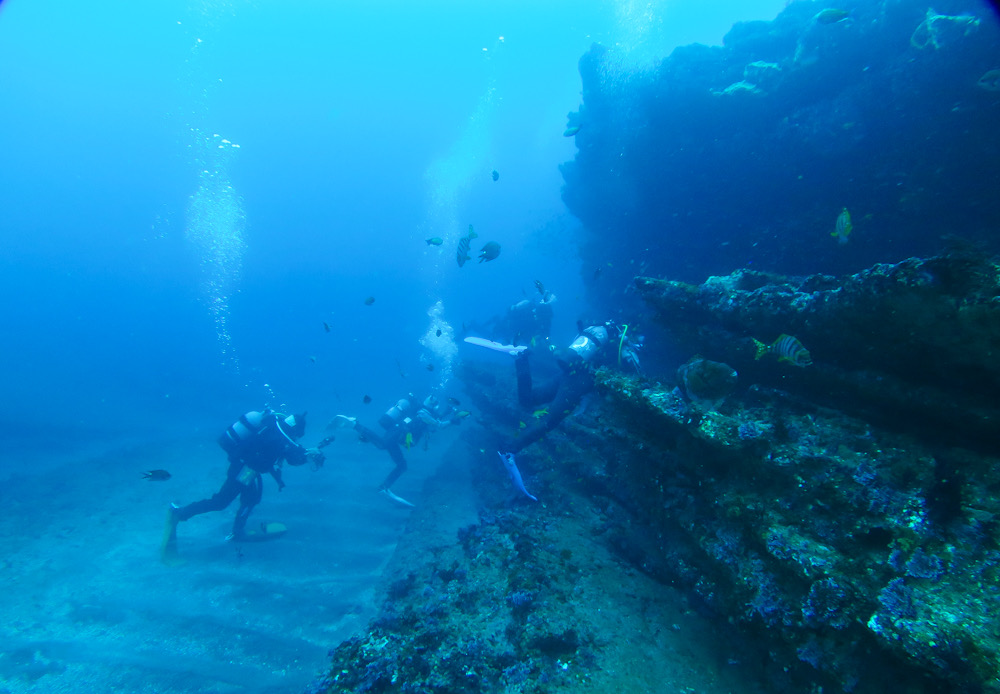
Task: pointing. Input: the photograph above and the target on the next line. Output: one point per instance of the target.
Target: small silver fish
(990, 81)
(831, 16)
(515, 475)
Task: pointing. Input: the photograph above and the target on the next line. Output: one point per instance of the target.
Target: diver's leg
(546, 392)
(249, 498)
(221, 499)
(396, 453)
(528, 393)
(522, 366)
(218, 501)
(366, 434)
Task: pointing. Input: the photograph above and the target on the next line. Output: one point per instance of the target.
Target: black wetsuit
(248, 460)
(391, 442)
(526, 322)
(561, 395)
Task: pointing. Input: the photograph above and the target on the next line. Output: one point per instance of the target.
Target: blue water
(363, 128)
(206, 207)
(188, 193)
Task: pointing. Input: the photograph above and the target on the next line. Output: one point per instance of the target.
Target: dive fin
(388, 494)
(168, 546)
(266, 531)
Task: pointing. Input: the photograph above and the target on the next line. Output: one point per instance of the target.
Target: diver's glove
(316, 456)
(276, 474)
(631, 357)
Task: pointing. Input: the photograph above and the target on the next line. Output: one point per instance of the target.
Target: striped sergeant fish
(789, 349)
(786, 348)
(463, 246)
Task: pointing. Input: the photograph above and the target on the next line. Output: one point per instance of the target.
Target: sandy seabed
(87, 604)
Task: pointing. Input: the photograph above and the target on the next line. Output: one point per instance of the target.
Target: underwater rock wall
(858, 557)
(745, 154)
(913, 345)
(843, 507)
(833, 549)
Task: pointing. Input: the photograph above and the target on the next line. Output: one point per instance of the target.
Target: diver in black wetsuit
(529, 321)
(595, 346)
(256, 445)
(401, 430)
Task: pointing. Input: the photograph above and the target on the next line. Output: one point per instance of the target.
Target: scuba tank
(242, 430)
(395, 415)
(589, 342)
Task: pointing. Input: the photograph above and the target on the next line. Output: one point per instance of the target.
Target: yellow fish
(761, 348)
(408, 441)
(521, 425)
(538, 414)
(843, 227)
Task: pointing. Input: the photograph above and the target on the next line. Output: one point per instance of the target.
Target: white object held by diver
(496, 346)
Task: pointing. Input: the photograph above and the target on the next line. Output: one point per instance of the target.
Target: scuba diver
(402, 429)
(596, 345)
(529, 321)
(256, 444)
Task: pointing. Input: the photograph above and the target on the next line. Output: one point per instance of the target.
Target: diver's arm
(276, 474)
(427, 418)
(296, 455)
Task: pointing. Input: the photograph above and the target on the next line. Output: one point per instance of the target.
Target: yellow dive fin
(168, 546)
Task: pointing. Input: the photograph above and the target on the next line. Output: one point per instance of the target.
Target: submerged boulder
(707, 382)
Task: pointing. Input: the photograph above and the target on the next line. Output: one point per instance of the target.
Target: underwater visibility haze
(717, 280)
(355, 132)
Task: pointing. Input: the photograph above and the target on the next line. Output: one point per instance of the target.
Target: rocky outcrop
(490, 592)
(825, 551)
(862, 558)
(914, 345)
(845, 508)
(822, 547)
